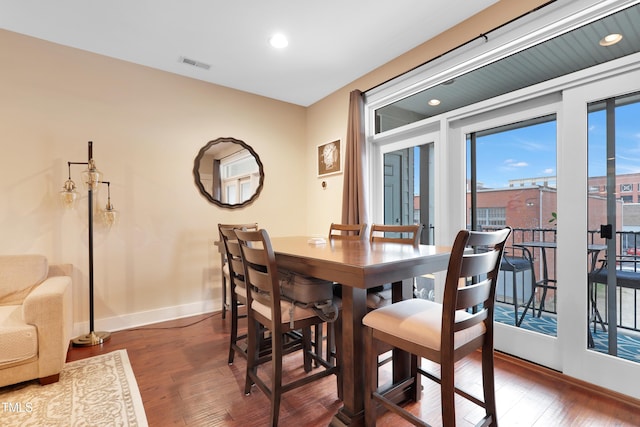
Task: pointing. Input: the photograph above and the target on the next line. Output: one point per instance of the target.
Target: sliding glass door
(600, 131)
(613, 193)
(511, 175)
(511, 170)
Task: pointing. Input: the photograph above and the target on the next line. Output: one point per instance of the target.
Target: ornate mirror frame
(198, 180)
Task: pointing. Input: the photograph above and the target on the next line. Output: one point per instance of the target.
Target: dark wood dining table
(357, 266)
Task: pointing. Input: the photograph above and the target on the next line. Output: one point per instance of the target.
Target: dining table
(357, 266)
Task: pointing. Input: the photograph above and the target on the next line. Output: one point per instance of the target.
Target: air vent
(194, 63)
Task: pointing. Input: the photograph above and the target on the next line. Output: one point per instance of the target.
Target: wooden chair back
(347, 231)
(233, 254)
(470, 285)
(406, 234)
(232, 236)
(261, 274)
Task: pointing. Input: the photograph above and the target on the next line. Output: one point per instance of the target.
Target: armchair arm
(49, 308)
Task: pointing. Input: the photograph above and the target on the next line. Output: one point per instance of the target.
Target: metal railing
(627, 248)
(628, 299)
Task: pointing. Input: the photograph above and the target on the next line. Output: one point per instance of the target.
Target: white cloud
(510, 163)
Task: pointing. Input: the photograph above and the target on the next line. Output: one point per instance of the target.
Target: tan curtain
(216, 186)
(354, 208)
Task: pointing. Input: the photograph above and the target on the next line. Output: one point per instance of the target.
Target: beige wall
(147, 127)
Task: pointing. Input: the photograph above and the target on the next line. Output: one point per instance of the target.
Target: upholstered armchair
(35, 319)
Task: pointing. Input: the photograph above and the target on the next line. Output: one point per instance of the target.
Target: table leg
(401, 359)
(402, 367)
(354, 307)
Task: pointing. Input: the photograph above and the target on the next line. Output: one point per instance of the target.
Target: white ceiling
(331, 43)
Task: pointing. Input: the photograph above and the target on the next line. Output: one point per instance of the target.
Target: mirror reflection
(228, 173)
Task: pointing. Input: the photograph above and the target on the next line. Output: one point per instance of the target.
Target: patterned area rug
(98, 391)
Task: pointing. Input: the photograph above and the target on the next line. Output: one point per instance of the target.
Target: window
(627, 199)
(626, 188)
(491, 217)
(512, 183)
(239, 174)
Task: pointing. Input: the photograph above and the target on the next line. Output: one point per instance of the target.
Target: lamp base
(94, 338)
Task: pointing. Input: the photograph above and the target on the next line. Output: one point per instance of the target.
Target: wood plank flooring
(184, 379)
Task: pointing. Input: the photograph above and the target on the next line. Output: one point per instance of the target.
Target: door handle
(606, 231)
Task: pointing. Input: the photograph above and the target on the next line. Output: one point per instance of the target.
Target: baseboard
(134, 320)
(559, 376)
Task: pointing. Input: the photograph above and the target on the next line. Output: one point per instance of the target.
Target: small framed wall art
(329, 158)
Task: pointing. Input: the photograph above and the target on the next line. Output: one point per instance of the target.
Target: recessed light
(611, 39)
(434, 102)
(279, 41)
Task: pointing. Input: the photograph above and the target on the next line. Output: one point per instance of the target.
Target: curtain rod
(480, 36)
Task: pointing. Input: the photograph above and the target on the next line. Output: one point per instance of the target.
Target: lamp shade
(91, 176)
(110, 215)
(69, 196)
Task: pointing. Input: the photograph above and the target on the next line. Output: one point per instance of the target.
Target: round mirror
(228, 173)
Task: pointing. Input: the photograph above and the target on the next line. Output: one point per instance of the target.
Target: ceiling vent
(194, 63)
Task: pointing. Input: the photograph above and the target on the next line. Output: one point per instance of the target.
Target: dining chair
(403, 234)
(279, 316)
(226, 281)
(443, 333)
(347, 231)
(381, 296)
(518, 260)
(627, 276)
(234, 273)
(407, 234)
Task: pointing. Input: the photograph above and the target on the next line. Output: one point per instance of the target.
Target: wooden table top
(359, 263)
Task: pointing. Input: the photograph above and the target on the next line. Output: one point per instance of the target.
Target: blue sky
(627, 141)
(531, 151)
(528, 152)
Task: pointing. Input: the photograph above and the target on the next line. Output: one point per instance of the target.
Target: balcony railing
(628, 249)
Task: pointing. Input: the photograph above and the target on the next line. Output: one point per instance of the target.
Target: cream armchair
(35, 319)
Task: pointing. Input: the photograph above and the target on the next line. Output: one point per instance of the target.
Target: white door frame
(607, 371)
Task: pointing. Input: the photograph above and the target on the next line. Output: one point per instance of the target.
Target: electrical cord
(154, 328)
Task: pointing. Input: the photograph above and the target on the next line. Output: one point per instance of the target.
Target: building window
(594, 189)
(627, 199)
(491, 217)
(626, 188)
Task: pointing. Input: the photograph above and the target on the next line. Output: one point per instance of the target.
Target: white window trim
(532, 29)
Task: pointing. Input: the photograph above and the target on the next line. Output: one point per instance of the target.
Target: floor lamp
(92, 178)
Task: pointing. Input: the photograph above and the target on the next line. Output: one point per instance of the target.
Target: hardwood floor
(184, 379)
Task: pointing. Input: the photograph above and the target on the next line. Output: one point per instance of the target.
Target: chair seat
(419, 321)
(516, 264)
(624, 278)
